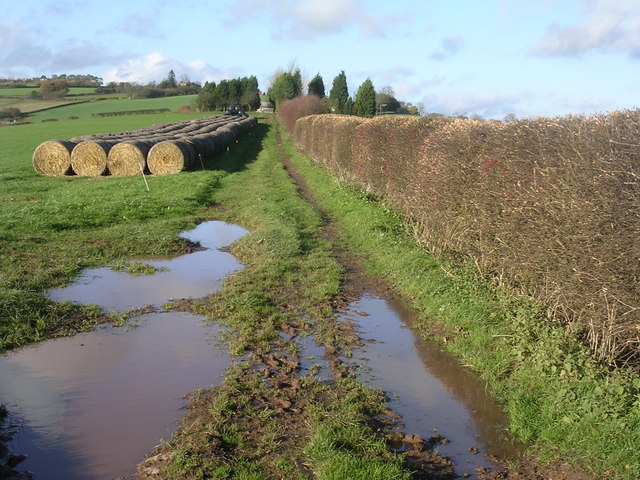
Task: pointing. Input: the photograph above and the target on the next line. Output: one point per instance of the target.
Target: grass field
(17, 92)
(85, 110)
(53, 227)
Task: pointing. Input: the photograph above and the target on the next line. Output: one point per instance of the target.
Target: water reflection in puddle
(94, 404)
(428, 387)
(91, 406)
(188, 276)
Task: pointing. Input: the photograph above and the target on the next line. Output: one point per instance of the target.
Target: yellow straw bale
(128, 158)
(90, 158)
(171, 156)
(53, 157)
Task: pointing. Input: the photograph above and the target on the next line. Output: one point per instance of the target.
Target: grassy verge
(559, 399)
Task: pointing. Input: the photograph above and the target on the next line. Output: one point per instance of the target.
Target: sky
(456, 57)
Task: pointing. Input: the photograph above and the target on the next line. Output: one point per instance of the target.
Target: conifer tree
(365, 103)
(339, 94)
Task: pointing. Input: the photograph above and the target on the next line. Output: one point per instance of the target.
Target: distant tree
(386, 103)
(365, 102)
(316, 86)
(287, 85)
(53, 88)
(169, 82)
(221, 95)
(205, 101)
(388, 90)
(407, 108)
(339, 94)
(250, 97)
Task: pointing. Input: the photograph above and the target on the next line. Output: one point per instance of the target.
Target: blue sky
(484, 57)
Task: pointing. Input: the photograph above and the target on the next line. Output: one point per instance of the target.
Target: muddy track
(285, 388)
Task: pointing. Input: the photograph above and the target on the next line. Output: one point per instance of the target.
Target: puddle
(428, 387)
(92, 406)
(189, 276)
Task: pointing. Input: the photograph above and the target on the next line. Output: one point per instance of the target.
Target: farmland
(293, 281)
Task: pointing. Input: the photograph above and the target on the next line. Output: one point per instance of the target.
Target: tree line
(367, 102)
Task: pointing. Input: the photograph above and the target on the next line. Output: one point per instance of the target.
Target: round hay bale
(90, 158)
(204, 145)
(128, 158)
(53, 157)
(171, 156)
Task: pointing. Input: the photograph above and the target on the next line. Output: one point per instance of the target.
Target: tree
(365, 103)
(386, 103)
(250, 97)
(339, 94)
(221, 95)
(53, 88)
(316, 86)
(287, 85)
(205, 101)
(170, 81)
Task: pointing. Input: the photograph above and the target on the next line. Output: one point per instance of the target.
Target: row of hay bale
(158, 150)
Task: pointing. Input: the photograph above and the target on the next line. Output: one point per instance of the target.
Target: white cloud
(155, 67)
(607, 26)
(488, 105)
(308, 19)
(325, 16)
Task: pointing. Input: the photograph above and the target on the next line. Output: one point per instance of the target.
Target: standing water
(91, 406)
(428, 387)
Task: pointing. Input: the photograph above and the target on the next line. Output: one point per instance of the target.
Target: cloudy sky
(484, 57)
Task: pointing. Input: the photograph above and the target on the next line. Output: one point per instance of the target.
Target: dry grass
(171, 156)
(89, 158)
(128, 158)
(53, 157)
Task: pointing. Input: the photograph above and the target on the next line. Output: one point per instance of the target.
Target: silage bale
(171, 156)
(53, 157)
(128, 158)
(89, 158)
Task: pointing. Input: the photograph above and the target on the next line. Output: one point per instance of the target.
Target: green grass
(17, 92)
(53, 227)
(559, 399)
(85, 110)
(290, 278)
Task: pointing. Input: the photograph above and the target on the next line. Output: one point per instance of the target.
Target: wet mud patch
(434, 396)
(193, 275)
(90, 406)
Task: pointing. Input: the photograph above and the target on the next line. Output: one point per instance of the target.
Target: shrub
(292, 110)
(549, 206)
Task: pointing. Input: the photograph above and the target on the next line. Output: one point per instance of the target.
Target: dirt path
(284, 388)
